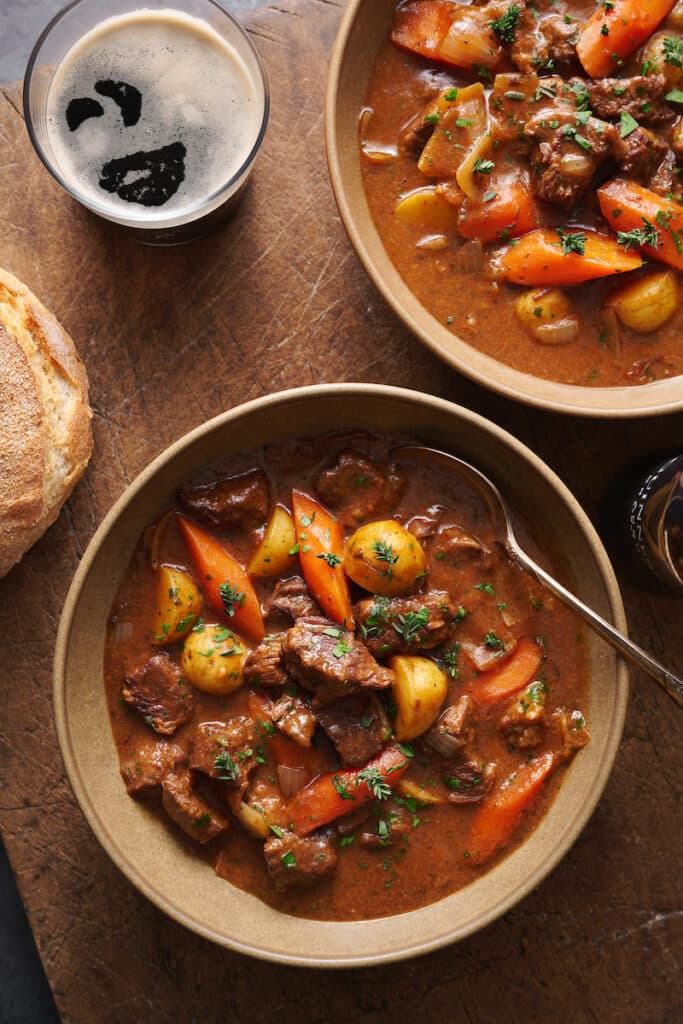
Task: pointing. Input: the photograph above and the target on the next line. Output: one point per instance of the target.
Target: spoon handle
(671, 683)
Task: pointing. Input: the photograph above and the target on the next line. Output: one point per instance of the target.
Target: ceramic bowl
(162, 866)
(364, 28)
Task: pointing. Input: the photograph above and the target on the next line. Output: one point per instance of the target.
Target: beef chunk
(541, 45)
(158, 692)
(404, 624)
(144, 771)
(667, 177)
(294, 718)
(263, 666)
(456, 725)
(641, 97)
(642, 154)
(571, 726)
(190, 811)
(523, 721)
(356, 488)
(224, 751)
(240, 500)
(568, 153)
(358, 726)
(329, 661)
(300, 861)
(469, 780)
(292, 597)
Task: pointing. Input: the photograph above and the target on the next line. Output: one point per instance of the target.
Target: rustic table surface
(170, 338)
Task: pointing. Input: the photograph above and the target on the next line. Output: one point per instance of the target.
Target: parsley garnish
(647, 235)
(288, 860)
(482, 166)
(385, 553)
(341, 788)
(493, 642)
(505, 26)
(232, 599)
(572, 243)
(673, 51)
(411, 624)
(331, 559)
(376, 783)
(227, 767)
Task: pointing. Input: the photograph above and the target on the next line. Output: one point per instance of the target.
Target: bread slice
(45, 429)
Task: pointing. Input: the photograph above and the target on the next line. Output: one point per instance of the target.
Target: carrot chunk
(499, 817)
(440, 30)
(508, 213)
(513, 675)
(616, 30)
(321, 552)
(541, 258)
(629, 208)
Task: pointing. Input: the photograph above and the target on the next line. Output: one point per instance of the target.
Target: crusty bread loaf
(45, 433)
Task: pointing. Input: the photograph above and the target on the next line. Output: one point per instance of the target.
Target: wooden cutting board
(170, 338)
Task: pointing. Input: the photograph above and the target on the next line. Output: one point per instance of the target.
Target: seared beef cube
(571, 726)
(524, 719)
(224, 751)
(404, 624)
(292, 597)
(328, 660)
(295, 861)
(240, 500)
(294, 718)
(642, 98)
(263, 666)
(358, 726)
(570, 148)
(415, 134)
(158, 692)
(469, 780)
(454, 730)
(356, 488)
(190, 811)
(385, 831)
(641, 155)
(666, 180)
(542, 45)
(144, 771)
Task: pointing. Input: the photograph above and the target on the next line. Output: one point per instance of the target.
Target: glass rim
(191, 213)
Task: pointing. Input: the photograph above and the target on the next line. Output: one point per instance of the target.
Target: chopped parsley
(232, 598)
(410, 625)
(385, 553)
(505, 26)
(332, 560)
(637, 237)
(486, 588)
(493, 642)
(376, 783)
(673, 51)
(288, 860)
(341, 788)
(482, 166)
(572, 242)
(226, 766)
(341, 649)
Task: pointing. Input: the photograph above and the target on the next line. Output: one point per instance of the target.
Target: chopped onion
(443, 742)
(470, 258)
(364, 120)
(291, 779)
(378, 154)
(560, 332)
(577, 165)
(433, 243)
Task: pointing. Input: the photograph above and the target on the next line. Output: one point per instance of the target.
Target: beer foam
(197, 93)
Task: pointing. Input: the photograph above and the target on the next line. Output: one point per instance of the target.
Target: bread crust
(45, 419)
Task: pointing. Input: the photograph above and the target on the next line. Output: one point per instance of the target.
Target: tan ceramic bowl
(364, 28)
(164, 868)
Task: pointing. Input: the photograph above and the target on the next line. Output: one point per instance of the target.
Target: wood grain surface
(170, 338)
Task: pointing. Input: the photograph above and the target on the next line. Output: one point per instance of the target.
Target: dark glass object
(654, 526)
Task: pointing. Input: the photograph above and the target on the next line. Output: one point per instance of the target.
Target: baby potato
(665, 51)
(178, 605)
(272, 557)
(419, 691)
(213, 660)
(384, 558)
(647, 304)
(548, 315)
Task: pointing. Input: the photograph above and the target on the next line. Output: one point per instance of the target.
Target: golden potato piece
(213, 659)
(426, 208)
(253, 821)
(548, 315)
(647, 304)
(273, 556)
(384, 558)
(178, 605)
(419, 691)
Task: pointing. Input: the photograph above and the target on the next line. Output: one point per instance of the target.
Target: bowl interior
(364, 28)
(163, 868)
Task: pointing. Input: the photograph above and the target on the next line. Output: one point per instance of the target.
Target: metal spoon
(504, 534)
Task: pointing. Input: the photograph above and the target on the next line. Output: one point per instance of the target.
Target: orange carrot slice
(539, 258)
(616, 30)
(514, 674)
(627, 206)
(320, 539)
(499, 817)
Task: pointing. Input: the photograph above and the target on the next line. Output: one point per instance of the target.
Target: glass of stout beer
(148, 113)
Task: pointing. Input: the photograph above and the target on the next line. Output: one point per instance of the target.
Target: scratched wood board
(170, 338)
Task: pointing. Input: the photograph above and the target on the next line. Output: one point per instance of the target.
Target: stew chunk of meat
(358, 726)
(158, 692)
(641, 97)
(455, 728)
(240, 500)
(263, 666)
(190, 811)
(294, 718)
(224, 751)
(543, 45)
(570, 147)
(524, 720)
(642, 156)
(329, 661)
(292, 597)
(469, 780)
(145, 770)
(295, 861)
(405, 624)
(356, 488)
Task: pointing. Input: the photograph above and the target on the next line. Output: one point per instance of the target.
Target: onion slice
(291, 779)
(470, 258)
(443, 742)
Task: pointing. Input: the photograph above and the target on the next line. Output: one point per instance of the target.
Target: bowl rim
(130, 495)
(608, 403)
